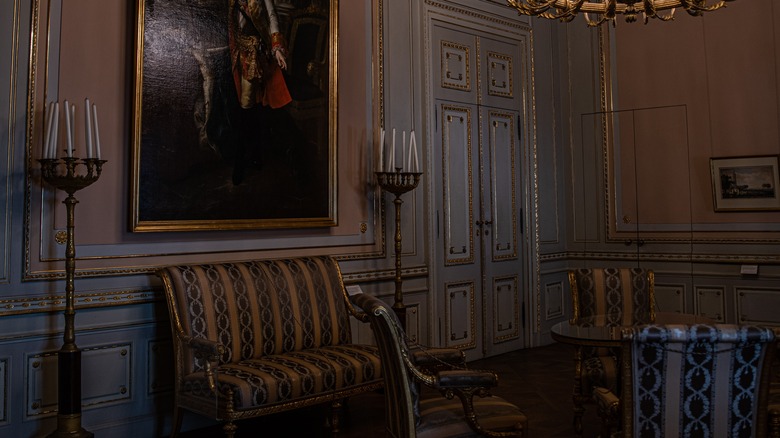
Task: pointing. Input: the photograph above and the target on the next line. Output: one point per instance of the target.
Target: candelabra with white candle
(70, 174)
(396, 180)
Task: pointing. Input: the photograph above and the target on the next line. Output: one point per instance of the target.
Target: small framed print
(745, 183)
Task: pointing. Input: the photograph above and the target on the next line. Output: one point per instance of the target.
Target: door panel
(503, 263)
(501, 82)
(458, 264)
(461, 323)
(458, 183)
(454, 65)
(502, 146)
(506, 318)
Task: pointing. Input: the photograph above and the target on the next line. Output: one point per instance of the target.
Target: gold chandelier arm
(698, 7)
(608, 10)
(650, 12)
(566, 10)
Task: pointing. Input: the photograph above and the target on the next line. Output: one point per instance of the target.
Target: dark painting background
(188, 131)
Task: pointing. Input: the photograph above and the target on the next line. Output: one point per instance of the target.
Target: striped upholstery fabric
(409, 416)
(774, 397)
(612, 297)
(284, 327)
(697, 381)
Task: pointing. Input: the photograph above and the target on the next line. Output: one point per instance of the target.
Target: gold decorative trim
(383, 275)
(665, 257)
(31, 94)
(466, 12)
(56, 303)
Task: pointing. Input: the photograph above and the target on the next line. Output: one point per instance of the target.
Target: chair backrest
(698, 380)
(612, 296)
(260, 307)
(400, 391)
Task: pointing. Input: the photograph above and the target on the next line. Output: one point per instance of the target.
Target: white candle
(55, 131)
(403, 149)
(391, 161)
(88, 125)
(47, 134)
(72, 128)
(97, 132)
(413, 150)
(381, 149)
(68, 129)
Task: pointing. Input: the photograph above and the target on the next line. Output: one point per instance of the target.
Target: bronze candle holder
(63, 173)
(398, 183)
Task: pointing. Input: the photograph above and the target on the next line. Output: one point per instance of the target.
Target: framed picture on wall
(745, 183)
(235, 115)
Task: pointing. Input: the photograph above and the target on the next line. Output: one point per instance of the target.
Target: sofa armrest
(208, 352)
(434, 358)
(465, 379)
(204, 347)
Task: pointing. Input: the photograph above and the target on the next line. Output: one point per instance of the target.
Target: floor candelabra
(63, 173)
(398, 183)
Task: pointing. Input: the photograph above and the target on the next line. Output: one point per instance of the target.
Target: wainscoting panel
(710, 302)
(758, 306)
(670, 298)
(413, 322)
(158, 366)
(553, 300)
(3, 390)
(105, 372)
(41, 384)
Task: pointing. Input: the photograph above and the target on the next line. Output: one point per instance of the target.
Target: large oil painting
(234, 121)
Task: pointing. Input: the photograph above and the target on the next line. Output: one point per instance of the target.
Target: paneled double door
(478, 173)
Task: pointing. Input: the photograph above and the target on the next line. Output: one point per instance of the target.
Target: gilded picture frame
(745, 183)
(223, 137)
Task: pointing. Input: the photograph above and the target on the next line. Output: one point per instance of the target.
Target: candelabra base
(69, 426)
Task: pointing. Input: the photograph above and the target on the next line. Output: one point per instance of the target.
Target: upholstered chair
(613, 297)
(774, 398)
(464, 409)
(698, 380)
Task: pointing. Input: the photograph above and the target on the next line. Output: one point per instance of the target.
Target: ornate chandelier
(608, 10)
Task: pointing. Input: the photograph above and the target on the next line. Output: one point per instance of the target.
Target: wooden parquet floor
(538, 380)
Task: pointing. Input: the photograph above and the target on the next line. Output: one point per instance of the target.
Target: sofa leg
(176, 421)
(335, 416)
(774, 422)
(229, 428)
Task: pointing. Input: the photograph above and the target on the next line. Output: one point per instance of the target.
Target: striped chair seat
(291, 376)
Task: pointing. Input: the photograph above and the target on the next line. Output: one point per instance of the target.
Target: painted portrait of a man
(234, 118)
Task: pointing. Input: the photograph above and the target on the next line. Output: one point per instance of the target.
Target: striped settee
(257, 337)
